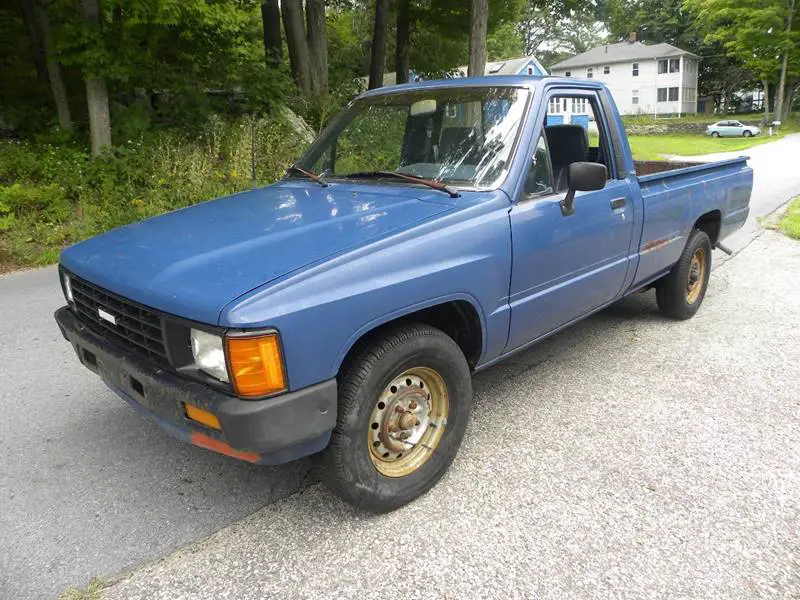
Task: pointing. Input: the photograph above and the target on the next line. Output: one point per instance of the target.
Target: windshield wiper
(437, 185)
(310, 174)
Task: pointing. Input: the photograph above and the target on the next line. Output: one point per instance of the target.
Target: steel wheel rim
(697, 274)
(407, 422)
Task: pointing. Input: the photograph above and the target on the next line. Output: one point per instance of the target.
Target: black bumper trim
(279, 429)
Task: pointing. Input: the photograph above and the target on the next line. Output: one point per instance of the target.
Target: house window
(606, 70)
(589, 73)
(635, 69)
(635, 98)
(662, 95)
(578, 106)
(567, 73)
(673, 94)
(662, 66)
(674, 65)
(530, 70)
(555, 106)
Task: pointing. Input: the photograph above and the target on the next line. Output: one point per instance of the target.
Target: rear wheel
(404, 404)
(680, 293)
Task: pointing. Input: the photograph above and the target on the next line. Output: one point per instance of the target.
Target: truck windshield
(461, 136)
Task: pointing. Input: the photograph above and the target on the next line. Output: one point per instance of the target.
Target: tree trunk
(478, 22)
(292, 11)
(38, 52)
(96, 91)
(60, 98)
(784, 64)
(271, 23)
(765, 83)
(402, 61)
(378, 56)
(317, 44)
(99, 118)
(791, 86)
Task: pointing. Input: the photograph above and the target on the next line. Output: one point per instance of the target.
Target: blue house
(525, 65)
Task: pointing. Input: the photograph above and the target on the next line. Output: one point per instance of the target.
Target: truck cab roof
(525, 81)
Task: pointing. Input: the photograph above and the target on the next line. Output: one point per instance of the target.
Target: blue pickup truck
(430, 231)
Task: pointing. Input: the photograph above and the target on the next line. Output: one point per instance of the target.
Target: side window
(539, 180)
(575, 136)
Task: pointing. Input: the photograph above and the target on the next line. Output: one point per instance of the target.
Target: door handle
(617, 203)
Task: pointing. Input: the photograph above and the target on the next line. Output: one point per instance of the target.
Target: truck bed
(649, 167)
(674, 194)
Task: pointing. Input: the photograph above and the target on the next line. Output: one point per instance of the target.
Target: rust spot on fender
(654, 245)
(657, 244)
(209, 443)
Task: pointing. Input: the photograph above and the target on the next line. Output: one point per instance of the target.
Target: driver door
(565, 266)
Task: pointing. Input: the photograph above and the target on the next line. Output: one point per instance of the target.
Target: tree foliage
(675, 22)
(763, 35)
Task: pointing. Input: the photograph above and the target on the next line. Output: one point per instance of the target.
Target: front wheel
(404, 405)
(747, 133)
(715, 134)
(680, 293)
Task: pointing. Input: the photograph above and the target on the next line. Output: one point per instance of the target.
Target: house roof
(512, 66)
(622, 52)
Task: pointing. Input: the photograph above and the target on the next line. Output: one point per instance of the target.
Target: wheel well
(710, 223)
(457, 318)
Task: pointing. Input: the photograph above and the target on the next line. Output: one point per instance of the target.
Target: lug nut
(416, 423)
(412, 405)
(398, 408)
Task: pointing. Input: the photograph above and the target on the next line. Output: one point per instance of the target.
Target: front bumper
(271, 431)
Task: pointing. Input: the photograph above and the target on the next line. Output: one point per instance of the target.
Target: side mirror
(582, 177)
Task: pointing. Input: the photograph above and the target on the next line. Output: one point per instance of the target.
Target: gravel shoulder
(628, 457)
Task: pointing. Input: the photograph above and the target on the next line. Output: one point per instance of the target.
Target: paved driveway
(631, 457)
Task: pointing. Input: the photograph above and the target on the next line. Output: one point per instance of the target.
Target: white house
(658, 79)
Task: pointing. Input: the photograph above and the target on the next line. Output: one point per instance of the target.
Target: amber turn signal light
(201, 416)
(256, 365)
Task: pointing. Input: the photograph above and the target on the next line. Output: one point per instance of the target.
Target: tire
(715, 134)
(680, 293)
(747, 133)
(355, 464)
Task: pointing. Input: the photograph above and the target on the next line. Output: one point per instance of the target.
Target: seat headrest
(457, 143)
(567, 143)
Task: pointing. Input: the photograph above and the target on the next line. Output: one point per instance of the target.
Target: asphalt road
(87, 488)
(775, 180)
(631, 457)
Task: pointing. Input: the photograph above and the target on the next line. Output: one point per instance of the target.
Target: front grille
(137, 327)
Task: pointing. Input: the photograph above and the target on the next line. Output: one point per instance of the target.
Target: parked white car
(731, 129)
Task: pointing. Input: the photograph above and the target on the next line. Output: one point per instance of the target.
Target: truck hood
(194, 261)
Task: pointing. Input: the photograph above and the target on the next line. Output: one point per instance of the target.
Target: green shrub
(54, 194)
(47, 202)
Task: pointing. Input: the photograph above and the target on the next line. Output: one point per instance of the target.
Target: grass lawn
(652, 147)
(790, 223)
(698, 118)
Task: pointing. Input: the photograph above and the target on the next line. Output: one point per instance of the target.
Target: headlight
(67, 288)
(209, 354)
